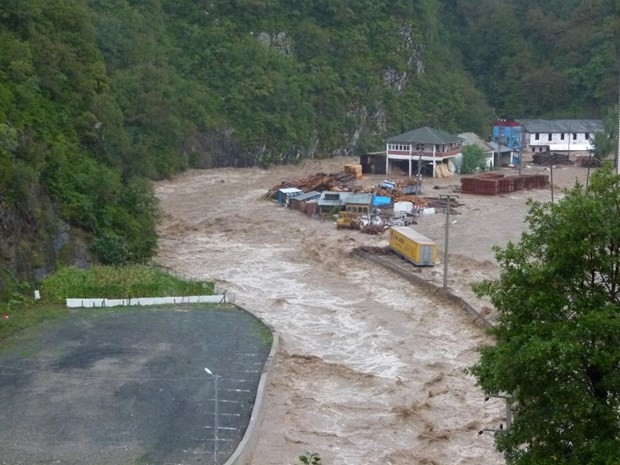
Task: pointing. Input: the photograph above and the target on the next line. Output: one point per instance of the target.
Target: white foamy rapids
(370, 369)
(315, 320)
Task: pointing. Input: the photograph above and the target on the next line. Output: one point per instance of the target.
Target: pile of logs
(338, 182)
(440, 204)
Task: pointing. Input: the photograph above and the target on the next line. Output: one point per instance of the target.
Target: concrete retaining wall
(440, 292)
(143, 301)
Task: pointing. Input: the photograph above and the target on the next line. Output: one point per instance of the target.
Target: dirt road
(371, 370)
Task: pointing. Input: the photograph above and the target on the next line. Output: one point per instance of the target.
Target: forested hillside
(540, 58)
(99, 96)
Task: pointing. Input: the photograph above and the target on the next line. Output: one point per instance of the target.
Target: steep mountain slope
(97, 96)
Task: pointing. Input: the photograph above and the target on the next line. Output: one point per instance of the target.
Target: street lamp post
(216, 425)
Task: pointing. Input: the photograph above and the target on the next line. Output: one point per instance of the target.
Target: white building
(422, 146)
(559, 135)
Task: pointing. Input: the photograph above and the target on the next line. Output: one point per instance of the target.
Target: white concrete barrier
(139, 301)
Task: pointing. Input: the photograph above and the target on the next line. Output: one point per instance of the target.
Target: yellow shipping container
(413, 246)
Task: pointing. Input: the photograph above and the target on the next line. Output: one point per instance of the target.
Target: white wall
(139, 301)
(579, 143)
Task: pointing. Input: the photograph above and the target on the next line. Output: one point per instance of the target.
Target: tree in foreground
(557, 350)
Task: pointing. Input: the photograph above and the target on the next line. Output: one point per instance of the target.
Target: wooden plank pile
(442, 170)
(441, 204)
(337, 182)
(497, 183)
(551, 158)
(355, 170)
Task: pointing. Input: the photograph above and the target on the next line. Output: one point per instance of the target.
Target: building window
(574, 136)
(419, 146)
(537, 136)
(549, 136)
(562, 136)
(587, 136)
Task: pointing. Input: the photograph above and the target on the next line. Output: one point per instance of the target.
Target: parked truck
(412, 246)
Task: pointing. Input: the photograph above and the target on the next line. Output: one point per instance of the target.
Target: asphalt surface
(130, 387)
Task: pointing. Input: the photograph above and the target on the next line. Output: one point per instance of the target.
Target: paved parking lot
(130, 387)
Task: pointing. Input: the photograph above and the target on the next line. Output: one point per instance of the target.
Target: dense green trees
(97, 95)
(62, 141)
(536, 58)
(557, 355)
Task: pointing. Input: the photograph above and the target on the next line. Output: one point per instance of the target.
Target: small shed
(332, 200)
(373, 163)
(312, 207)
(286, 193)
(360, 204)
(299, 201)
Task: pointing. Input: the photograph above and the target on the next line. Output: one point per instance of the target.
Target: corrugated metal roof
(359, 198)
(324, 202)
(474, 139)
(426, 135)
(561, 125)
(289, 190)
(308, 195)
(502, 148)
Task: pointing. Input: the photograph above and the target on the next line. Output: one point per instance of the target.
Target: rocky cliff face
(34, 241)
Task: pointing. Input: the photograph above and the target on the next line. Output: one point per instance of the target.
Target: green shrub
(118, 283)
(474, 160)
(110, 249)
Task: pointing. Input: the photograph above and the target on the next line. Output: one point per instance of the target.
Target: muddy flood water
(370, 370)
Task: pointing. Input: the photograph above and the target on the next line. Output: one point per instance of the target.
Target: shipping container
(413, 246)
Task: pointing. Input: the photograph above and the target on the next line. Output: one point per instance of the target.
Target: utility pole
(552, 160)
(520, 150)
(448, 198)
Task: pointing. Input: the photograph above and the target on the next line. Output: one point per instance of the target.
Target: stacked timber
(442, 170)
(496, 183)
(355, 170)
(338, 182)
(551, 158)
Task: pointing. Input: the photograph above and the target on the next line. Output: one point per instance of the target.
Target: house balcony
(424, 155)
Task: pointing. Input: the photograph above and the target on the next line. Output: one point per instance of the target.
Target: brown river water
(371, 370)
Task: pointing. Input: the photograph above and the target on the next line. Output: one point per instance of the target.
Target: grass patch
(26, 315)
(118, 283)
(96, 282)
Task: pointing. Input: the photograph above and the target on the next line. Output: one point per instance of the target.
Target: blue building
(509, 133)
